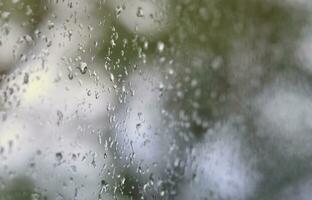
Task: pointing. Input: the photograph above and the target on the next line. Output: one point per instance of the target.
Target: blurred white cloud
(285, 117)
(224, 166)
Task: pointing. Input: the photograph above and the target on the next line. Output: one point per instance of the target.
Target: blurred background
(155, 99)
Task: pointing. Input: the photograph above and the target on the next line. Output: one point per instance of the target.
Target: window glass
(155, 99)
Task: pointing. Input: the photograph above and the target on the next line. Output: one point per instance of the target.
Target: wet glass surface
(146, 99)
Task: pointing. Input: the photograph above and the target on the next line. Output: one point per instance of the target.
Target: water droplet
(28, 38)
(160, 46)
(123, 181)
(118, 11)
(89, 92)
(59, 156)
(83, 67)
(112, 78)
(140, 12)
(70, 75)
(161, 86)
(59, 117)
(97, 95)
(138, 126)
(26, 78)
(37, 33)
(74, 157)
(93, 162)
(140, 115)
(145, 187)
(146, 45)
(113, 42)
(23, 58)
(104, 186)
(50, 25)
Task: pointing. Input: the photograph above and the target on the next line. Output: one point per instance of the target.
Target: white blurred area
(224, 166)
(285, 117)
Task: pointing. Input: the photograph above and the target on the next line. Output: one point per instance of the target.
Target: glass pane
(146, 99)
